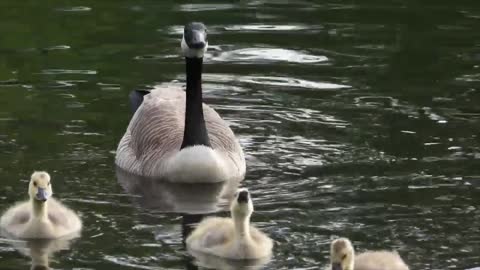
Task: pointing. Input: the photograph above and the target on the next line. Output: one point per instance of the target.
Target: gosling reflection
(203, 260)
(41, 250)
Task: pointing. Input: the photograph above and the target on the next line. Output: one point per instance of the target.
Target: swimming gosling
(41, 217)
(232, 238)
(342, 257)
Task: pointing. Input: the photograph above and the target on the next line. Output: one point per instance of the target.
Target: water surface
(358, 119)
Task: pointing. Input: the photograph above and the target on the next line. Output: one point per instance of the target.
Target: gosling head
(342, 254)
(194, 41)
(242, 205)
(39, 188)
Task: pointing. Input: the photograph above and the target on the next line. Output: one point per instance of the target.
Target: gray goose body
(152, 143)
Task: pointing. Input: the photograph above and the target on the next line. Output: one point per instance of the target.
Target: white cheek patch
(192, 53)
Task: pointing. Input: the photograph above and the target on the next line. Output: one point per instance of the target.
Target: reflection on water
(204, 7)
(40, 251)
(358, 119)
(192, 201)
(186, 198)
(213, 262)
(264, 55)
(75, 9)
(267, 27)
(280, 82)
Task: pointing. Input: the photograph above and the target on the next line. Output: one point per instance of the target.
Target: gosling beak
(242, 197)
(336, 266)
(42, 194)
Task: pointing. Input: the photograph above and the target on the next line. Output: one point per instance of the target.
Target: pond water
(358, 119)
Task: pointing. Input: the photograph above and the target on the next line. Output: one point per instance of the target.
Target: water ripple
(57, 47)
(270, 27)
(204, 7)
(69, 71)
(267, 55)
(274, 81)
(10, 82)
(129, 261)
(75, 9)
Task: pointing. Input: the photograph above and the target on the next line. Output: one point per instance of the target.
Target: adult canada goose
(342, 257)
(42, 217)
(233, 238)
(173, 135)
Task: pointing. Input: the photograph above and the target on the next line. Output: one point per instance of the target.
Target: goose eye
(34, 183)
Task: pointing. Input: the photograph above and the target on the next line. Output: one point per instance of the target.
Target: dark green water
(358, 119)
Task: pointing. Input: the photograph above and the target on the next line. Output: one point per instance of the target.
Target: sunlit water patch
(267, 55)
(57, 48)
(281, 82)
(68, 71)
(269, 28)
(205, 7)
(75, 9)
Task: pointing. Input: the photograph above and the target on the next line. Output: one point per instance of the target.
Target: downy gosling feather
(41, 217)
(233, 238)
(342, 257)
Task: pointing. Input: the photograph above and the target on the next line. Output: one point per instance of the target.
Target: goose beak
(336, 266)
(42, 194)
(195, 35)
(196, 39)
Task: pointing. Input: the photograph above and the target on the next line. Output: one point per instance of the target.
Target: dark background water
(358, 119)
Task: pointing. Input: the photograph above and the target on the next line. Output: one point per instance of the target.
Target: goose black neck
(195, 132)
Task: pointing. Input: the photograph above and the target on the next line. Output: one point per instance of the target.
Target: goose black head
(194, 41)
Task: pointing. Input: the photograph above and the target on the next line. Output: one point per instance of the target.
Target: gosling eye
(34, 183)
(344, 256)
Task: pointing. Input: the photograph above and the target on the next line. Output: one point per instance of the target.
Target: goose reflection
(41, 250)
(193, 202)
(168, 197)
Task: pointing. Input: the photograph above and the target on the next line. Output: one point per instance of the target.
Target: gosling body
(342, 257)
(41, 217)
(232, 238)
